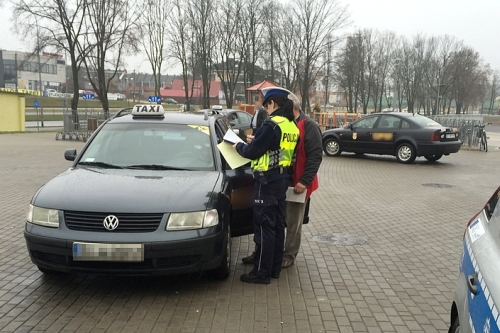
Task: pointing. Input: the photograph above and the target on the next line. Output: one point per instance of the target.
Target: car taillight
(435, 136)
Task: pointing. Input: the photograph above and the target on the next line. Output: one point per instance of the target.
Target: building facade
(22, 70)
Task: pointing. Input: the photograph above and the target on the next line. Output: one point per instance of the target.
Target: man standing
(309, 154)
(259, 115)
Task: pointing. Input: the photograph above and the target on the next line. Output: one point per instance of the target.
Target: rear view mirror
(70, 154)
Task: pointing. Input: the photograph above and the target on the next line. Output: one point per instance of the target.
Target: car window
(245, 118)
(169, 145)
(233, 118)
(389, 122)
(424, 121)
(405, 124)
(367, 122)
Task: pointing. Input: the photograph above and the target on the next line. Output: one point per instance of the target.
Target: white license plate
(108, 252)
(451, 136)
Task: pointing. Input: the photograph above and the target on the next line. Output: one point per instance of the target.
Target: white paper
(232, 137)
(476, 230)
(233, 158)
(292, 196)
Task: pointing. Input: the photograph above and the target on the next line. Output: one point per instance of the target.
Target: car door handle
(472, 283)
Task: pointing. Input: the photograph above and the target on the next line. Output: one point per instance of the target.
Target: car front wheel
(405, 153)
(223, 270)
(433, 158)
(331, 147)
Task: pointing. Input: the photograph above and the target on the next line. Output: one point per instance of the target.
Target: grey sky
(476, 22)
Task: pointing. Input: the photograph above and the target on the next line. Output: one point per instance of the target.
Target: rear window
(424, 121)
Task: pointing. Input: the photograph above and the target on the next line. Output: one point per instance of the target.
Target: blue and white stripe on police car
(483, 302)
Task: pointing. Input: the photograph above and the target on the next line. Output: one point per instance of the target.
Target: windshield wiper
(101, 164)
(153, 167)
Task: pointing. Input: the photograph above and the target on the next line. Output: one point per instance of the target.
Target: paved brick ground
(400, 280)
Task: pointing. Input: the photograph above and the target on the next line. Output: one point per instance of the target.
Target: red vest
(300, 163)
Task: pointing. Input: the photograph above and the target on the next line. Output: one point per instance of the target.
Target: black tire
(223, 270)
(433, 158)
(455, 328)
(405, 153)
(331, 147)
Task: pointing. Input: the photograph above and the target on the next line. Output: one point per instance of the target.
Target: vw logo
(110, 222)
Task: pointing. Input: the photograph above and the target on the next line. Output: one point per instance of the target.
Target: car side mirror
(70, 154)
(232, 123)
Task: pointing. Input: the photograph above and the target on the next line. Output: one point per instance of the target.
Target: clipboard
(232, 157)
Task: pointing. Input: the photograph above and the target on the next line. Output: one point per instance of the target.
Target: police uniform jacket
(266, 138)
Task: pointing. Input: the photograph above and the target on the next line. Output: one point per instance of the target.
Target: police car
(149, 193)
(476, 300)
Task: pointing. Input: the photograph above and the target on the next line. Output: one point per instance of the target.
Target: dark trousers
(269, 226)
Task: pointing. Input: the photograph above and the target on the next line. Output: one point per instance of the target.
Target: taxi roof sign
(148, 110)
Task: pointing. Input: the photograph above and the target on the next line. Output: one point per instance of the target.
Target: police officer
(271, 152)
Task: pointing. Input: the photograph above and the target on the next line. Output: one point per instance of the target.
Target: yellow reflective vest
(282, 157)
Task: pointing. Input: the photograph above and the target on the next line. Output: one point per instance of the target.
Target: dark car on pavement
(476, 301)
(170, 101)
(404, 135)
(149, 193)
(240, 120)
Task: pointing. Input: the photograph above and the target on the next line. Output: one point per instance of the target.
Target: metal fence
(467, 126)
(81, 125)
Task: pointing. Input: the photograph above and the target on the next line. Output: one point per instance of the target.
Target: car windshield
(151, 146)
(424, 121)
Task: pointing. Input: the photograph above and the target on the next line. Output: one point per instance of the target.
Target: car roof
(402, 114)
(170, 117)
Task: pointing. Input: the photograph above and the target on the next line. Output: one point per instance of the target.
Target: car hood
(128, 191)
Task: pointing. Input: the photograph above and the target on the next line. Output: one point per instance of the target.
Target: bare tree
(62, 23)
(110, 35)
(494, 90)
(201, 14)
(318, 21)
(182, 42)
(153, 27)
(252, 28)
(469, 79)
(228, 55)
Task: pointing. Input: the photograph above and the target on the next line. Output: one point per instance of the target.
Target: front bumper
(160, 257)
(438, 148)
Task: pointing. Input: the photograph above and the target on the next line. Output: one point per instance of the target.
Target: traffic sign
(154, 99)
(35, 104)
(88, 96)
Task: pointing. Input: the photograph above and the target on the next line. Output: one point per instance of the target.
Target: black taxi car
(148, 194)
(404, 135)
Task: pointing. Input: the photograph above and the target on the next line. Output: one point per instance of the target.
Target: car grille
(148, 263)
(89, 221)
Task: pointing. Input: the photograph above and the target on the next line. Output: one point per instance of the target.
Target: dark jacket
(261, 115)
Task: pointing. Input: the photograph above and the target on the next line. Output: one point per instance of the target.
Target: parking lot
(408, 221)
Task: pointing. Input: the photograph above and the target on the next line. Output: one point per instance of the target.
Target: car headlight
(43, 216)
(193, 220)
